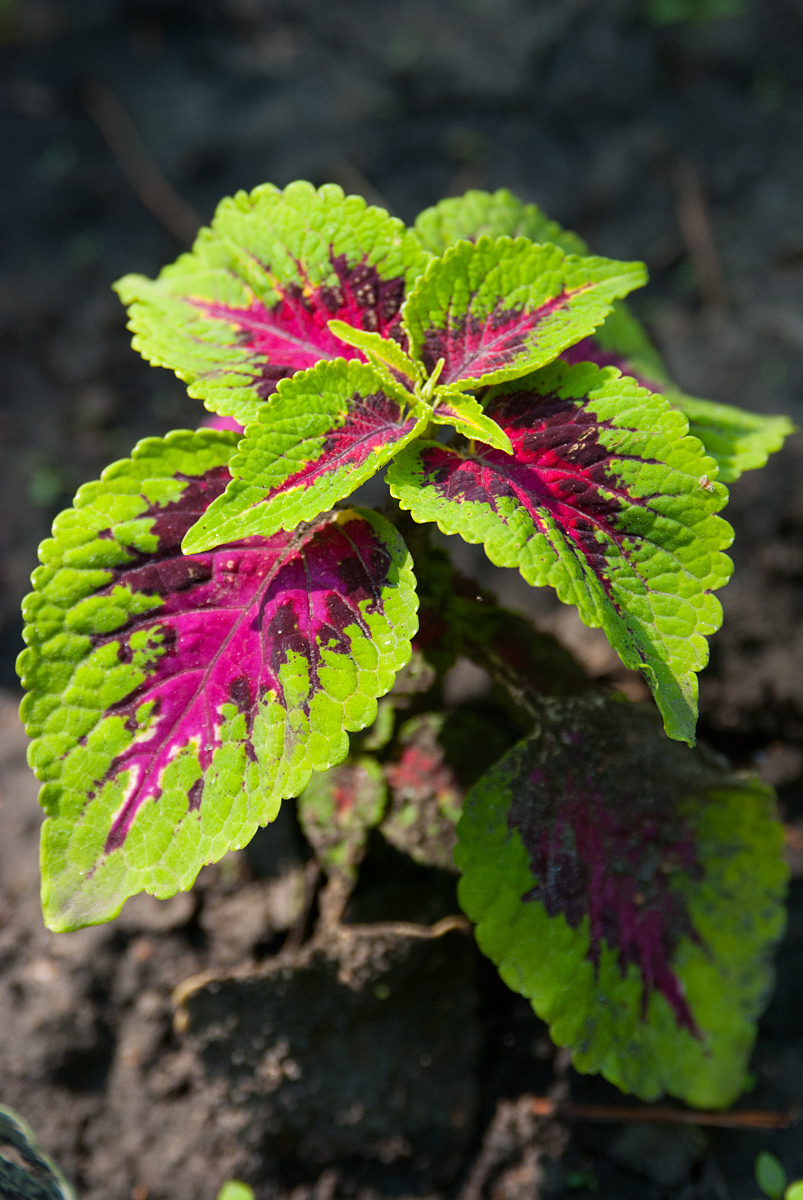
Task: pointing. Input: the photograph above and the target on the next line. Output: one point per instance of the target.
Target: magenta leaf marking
(602, 500)
(494, 310)
(603, 864)
(293, 333)
(611, 862)
(210, 686)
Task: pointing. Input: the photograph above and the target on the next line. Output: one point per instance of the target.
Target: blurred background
(664, 130)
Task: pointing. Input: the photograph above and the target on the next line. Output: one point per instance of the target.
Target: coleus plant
(211, 621)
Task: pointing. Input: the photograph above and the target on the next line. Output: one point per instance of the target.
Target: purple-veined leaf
(736, 439)
(604, 499)
(632, 889)
(251, 304)
(325, 432)
(175, 700)
(495, 310)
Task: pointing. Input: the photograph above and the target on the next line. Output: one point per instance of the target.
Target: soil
(380, 1058)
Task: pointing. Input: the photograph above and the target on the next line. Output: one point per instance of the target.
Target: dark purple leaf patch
(630, 887)
(601, 499)
(612, 863)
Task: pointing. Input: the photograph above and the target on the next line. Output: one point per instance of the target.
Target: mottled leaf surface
(497, 309)
(736, 439)
(479, 214)
(425, 797)
(602, 500)
(633, 892)
(175, 700)
(336, 810)
(26, 1172)
(325, 432)
(251, 303)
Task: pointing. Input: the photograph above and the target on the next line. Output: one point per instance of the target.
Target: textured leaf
(326, 431)
(632, 891)
(497, 309)
(466, 415)
(251, 303)
(336, 810)
(26, 1172)
(484, 214)
(174, 701)
(602, 500)
(736, 439)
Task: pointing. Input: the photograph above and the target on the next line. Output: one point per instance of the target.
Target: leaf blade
(738, 440)
(250, 304)
(603, 865)
(478, 214)
(494, 310)
(603, 501)
(173, 700)
(325, 432)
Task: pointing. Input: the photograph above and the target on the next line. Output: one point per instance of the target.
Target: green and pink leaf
(495, 310)
(605, 500)
(251, 303)
(175, 700)
(603, 866)
(325, 432)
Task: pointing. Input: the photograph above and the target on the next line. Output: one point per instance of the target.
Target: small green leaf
(425, 796)
(794, 1191)
(495, 310)
(770, 1175)
(479, 214)
(326, 431)
(633, 891)
(465, 414)
(381, 350)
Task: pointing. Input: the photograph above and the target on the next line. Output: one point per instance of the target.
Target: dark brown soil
(379, 1060)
